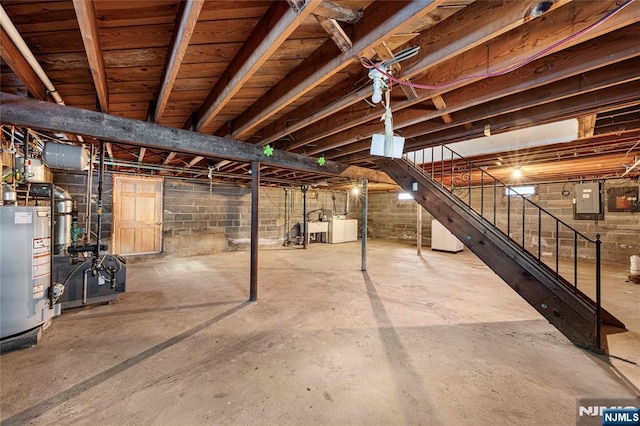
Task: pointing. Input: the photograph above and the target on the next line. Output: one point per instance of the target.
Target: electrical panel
(588, 198)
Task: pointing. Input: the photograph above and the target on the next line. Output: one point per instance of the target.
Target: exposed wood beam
(19, 65)
(485, 20)
(586, 126)
(505, 50)
(598, 52)
(380, 20)
(611, 98)
(272, 30)
(169, 158)
(186, 23)
(21, 111)
(109, 147)
(143, 150)
(441, 106)
(335, 31)
(86, 15)
(334, 11)
(606, 80)
(384, 54)
(194, 161)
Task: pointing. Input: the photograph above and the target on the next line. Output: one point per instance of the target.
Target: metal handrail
(470, 166)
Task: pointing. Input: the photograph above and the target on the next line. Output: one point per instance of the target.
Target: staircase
(469, 202)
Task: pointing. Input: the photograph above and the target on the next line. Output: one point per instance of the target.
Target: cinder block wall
(619, 232)
(199, 219)
(390, 218)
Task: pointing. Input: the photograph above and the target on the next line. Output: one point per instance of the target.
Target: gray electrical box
(588, 198)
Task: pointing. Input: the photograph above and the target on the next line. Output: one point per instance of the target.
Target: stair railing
(535, 231)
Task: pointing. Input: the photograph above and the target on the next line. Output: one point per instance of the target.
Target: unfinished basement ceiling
(288, 74)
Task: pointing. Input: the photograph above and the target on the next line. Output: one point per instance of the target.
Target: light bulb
(517, 173)
(377, 91)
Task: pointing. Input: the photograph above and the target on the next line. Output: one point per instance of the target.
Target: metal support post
(419, 228)
(304, 216)
(365, 199)
(598, 295)
(255, 188)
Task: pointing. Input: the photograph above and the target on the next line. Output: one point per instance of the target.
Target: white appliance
(442, 239)
(342, 231)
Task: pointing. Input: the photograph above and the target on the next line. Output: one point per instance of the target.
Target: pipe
(17, 39)
(22, 47)
(87, 221)
(25, 175)
(99, 205)
(85, 285)
(286, 217)
(630, 169)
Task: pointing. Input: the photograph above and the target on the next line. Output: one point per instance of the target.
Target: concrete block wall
(202, 219)
(392, 219)
(619, 232)
(76, 184)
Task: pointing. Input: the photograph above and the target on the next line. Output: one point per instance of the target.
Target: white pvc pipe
(17, 39)
(630, 169)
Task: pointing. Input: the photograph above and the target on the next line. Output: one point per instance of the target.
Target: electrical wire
(269, 197)
(368, 63)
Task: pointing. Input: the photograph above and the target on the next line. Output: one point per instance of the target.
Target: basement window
(522, 190)
(404, 196)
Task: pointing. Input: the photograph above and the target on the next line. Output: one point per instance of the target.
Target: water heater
(25, 269)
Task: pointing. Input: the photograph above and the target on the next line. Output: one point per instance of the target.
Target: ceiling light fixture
(517, 173)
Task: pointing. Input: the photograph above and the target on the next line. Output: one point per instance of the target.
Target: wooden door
(137, 215)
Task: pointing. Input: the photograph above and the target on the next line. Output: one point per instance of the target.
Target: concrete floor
(437, 339)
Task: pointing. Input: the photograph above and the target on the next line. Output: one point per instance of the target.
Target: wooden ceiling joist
(194, 161)
(441, 106)
(272, 30)
(21, 111)
(187, 20)
(170, 157)
(506, 50)
(19, 65)
(378, 22)
(331, 10)
(335, 31)
(438, 45)
(143, 150)
(109, 147)
(572, 61)
(86, 15)
(586, 126)
(616, 97)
